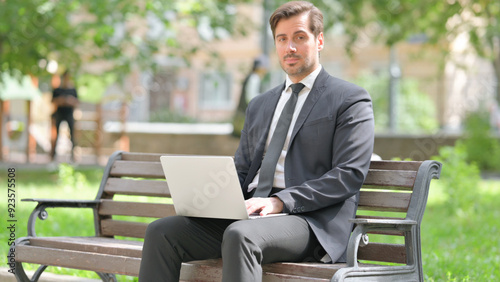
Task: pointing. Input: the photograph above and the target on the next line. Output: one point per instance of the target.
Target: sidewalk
(42, 160)
(6, 276)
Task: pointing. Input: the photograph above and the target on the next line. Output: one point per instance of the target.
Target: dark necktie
(268, 167)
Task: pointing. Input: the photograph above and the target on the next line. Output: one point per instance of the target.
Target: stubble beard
(297, 70)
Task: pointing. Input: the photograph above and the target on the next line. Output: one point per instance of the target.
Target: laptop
(205, 186)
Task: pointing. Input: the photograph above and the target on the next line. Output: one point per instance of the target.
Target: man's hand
(264, 206)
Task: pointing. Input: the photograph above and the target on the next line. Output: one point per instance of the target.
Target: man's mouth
(291, 59)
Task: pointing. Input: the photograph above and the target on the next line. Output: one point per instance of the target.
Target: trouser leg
(71, 125)
(57, 123)
(172, 240)
(247, 244)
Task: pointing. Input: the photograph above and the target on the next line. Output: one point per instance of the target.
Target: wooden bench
(392, 203)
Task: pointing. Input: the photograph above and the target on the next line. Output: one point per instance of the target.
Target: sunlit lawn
(456, 245)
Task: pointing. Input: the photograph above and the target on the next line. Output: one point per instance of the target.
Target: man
(321, 167)
(65, 100)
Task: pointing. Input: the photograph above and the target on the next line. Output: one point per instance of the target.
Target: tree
(440, 22)
(32, 31)
(125, 33)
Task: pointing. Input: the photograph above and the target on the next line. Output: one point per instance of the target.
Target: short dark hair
(294, 8)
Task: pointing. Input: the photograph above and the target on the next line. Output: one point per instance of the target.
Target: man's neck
(314, 73)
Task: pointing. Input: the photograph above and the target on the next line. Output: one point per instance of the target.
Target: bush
(416, 112)
(460, 178)
(69, 177)
(482, 148)
(170, 116)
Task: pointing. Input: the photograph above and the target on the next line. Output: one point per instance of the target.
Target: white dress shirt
(308, 81)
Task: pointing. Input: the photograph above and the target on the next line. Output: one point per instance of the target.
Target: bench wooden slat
(395, 165)
(91, 244)
(383, 252)
(137, 169)
(384, 201)
(193, 271)
(385, 188)
(143, 157)
(401, 178)
(305, 269)
(211, 270)
(378, 217)
(110, 207)
(81, 260)
(110, 227)
(144, 187)
(392, 233)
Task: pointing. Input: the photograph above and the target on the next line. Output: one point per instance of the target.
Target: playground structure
(27, 133)
(16, 96)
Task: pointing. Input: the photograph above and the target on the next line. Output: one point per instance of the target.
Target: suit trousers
(243, 245)
(58, 118)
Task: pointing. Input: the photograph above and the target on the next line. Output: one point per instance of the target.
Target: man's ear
(320, 41)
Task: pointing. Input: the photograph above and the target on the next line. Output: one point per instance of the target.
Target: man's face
(297, 47)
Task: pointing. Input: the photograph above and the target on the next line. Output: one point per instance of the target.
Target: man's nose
(291, 47)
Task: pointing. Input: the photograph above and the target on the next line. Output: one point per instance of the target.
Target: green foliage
(415, 110)
(125, 33)
(70, 178)
(35, 30)
(91, 88)
(440, 23)
(170, 116)
(460, 178)
(482, 148)
(395, 21)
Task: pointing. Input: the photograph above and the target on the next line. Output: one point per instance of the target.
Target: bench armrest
(52, 203)
(40, 212)
(363, 225)
(382, 222)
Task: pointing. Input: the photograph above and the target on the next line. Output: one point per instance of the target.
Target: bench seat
(123, 257)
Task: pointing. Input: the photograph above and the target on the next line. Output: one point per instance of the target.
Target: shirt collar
(308, 81)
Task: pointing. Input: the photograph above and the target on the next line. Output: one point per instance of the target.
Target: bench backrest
(134, 192)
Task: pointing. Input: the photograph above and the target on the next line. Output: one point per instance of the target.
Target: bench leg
(22, 277)
(107, 277)
(21, 274)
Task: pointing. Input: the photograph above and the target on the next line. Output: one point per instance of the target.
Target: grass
(462, 245)
(457, 245)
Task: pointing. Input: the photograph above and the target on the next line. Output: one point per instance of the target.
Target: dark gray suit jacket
(327, 159)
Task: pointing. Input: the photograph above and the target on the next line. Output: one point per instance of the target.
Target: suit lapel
(267, 110)
(316, 92)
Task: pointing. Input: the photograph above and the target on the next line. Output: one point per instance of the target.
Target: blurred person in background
(65, 100)
(252, 86)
